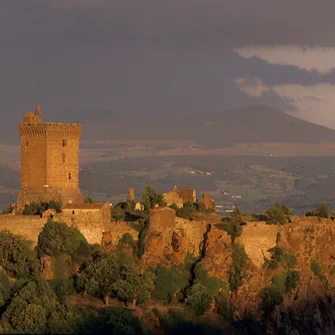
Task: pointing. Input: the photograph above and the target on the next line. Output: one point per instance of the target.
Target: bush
(199, 299)
(233, 229)
(286, 281)
(88, 200)
(57, 238)
(224, 308)
(62, 288)
(118, 213)
(169, 282)
(236, 274)
(141, 239)
(186, 212)
(5, 287)
(38, 208)
(278, 214)
(321, 212)
(17, 256)
(8, 210)
(175, 323)
(271, 297)
(212, 284)
(150, 198)
(318, 272)
(261, 217)
(280, 255)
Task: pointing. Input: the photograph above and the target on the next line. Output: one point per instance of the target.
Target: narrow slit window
(70, 176)
(73, 212)
(63, 158)
(26, 143)
(64, 142)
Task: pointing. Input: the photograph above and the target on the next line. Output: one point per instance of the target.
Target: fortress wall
(194, 234)
(173, 197)
(258, 238)
(28, 227)
(162, 219)
(116, 230)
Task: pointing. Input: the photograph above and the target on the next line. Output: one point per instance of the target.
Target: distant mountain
(244, 125)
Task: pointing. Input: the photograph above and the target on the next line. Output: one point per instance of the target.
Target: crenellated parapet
(50, 128)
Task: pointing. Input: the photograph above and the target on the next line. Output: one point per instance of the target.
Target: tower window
(63, 158)
(26, 143)
(73, 212)
(70, 176)
(64, 143)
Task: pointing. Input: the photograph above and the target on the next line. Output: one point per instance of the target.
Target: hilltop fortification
(49, 161)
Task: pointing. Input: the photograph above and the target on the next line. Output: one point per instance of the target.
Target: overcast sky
(166, 57)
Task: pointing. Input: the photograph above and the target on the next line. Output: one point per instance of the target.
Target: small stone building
(206, 202)
(91, 219)
(179, 196)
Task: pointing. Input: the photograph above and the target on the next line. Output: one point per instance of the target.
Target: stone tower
(49, 161)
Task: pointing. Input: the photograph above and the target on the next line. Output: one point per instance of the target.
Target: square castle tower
(49, 161)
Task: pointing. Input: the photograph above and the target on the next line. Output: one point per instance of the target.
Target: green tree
(150, 198)
(199, 299)
(134, 287)
(280, 255)
(271, 297)
(114, 321)
(30, 309)
(17, 256)
(278, 214)
(57, 238)
(99, 275)
(118, 213)
(169, 282)
(212, 284)
(323, 211)
(236, 272)
(88, 200)
(236, 215)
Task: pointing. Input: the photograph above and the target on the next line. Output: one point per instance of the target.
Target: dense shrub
(169, 282)
(318, 272)
(280, 255)
(236, 272)
(321, 212)
(224, 307)
(112, 320)
(286, 281)
(271, 297)
(278, 214)
(186, 212)
(212, 284)
(38, 208)
(198, 299)
(17, 256)
(57, 238)
(150, 198)
(175, 323)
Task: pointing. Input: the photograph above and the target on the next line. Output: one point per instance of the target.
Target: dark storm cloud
(148, 58)
(222, 22)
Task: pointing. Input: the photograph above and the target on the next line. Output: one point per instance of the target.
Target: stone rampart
(258, 238)
(29, 227)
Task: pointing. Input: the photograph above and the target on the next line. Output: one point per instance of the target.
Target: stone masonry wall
(29, 227)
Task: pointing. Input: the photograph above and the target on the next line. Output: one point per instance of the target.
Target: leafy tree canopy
(17, 256)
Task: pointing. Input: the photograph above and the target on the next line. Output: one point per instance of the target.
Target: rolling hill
(245, 125)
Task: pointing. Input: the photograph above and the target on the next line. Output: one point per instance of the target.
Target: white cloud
(321, 59)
